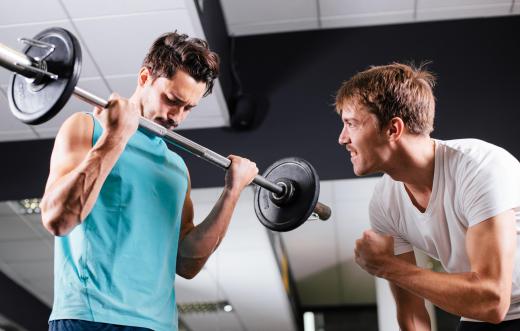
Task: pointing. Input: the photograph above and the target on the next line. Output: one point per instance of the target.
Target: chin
(362, 172)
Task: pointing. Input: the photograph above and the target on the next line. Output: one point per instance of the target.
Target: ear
(395, 129)
(145, 76)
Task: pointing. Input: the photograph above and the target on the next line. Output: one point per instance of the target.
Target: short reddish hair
(395, 90)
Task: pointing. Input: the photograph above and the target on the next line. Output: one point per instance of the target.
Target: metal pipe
(16, 61)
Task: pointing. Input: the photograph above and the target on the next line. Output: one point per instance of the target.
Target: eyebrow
(350, 118)
(180, 99)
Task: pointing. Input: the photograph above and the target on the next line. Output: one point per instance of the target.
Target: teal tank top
(118, 266)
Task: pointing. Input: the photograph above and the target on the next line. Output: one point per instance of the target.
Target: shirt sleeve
(490, 187)
(383, 224)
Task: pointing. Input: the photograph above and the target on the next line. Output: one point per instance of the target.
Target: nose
(344, 137)
(167, 117)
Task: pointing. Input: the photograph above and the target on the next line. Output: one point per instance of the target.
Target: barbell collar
(18, 62)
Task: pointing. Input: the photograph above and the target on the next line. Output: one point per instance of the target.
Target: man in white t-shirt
(456, 200)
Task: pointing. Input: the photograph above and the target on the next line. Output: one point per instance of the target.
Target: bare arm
(77, 172)
(411, 312)
(197, 243)
(484, 293)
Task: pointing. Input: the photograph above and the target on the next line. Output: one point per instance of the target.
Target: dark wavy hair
(174, 51)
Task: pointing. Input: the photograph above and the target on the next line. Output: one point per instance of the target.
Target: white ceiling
(249, 17)
(243, 271)
(114, 36)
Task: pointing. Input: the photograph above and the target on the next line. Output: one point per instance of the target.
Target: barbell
(44, 78)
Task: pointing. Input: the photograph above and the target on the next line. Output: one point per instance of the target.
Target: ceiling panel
(96, 8)
(30, 12)
(5, 209)
(445, 9)
(25, 250)
(252, 17)
(336, 13)
(115, 52)
(35, 271)
(14, 228)
(35, 221)
(214, 321)
(10, 127)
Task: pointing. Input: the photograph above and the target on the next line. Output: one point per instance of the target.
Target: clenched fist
(373, 251)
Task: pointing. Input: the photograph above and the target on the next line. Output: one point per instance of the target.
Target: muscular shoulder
(77, 129)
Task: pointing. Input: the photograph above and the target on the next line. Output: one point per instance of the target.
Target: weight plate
(36, 104)
(293, 213)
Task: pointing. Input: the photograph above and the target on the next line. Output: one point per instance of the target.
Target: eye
(173, 101)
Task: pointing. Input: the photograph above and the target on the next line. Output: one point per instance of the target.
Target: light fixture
(204, 307)
(228, 308)
(30, 206)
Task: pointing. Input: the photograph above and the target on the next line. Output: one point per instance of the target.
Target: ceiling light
(29, 206)
(204, 307)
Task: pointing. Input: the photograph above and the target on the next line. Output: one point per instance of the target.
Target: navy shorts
(512, 325)
(79, 325)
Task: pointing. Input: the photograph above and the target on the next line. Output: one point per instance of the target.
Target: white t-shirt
(473, 181)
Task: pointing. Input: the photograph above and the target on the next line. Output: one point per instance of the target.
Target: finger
(113, 96)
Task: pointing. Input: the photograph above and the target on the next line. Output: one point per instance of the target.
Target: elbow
(188, 268)
(497, 313)
(56, 221)
(187, 274)
(497, 308)
(54, 227)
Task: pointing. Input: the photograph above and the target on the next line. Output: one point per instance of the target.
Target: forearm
(198, 244)
(70, 199)
(464, 294)
(413, 318)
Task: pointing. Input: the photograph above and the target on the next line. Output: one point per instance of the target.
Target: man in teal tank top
(118, 201)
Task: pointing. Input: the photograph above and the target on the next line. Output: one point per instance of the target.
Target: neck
(414, 163)
(135, 98)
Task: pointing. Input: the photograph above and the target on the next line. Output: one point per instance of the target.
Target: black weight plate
(37, 104)
(294, 213)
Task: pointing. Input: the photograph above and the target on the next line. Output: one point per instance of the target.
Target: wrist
(232, 193)
(387, 266)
